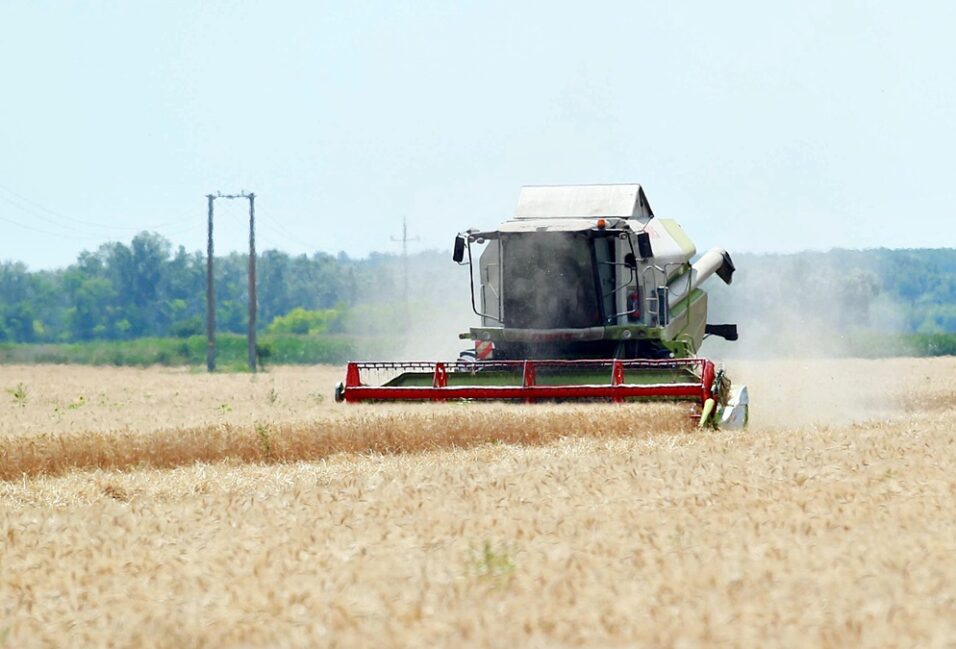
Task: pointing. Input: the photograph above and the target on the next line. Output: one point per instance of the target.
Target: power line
(33, 228)
(183, 230)
(52, 223)
(280, 235)
(60, 220)
(281, 230)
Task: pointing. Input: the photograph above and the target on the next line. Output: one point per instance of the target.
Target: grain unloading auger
(583, 295)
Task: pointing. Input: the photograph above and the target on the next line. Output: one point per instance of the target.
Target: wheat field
(165, 508)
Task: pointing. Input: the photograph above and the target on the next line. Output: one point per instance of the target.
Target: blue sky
(761, 126)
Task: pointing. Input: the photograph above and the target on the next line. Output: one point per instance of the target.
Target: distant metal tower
(405, 239)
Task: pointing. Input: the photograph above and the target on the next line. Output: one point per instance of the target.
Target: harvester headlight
(601, 224)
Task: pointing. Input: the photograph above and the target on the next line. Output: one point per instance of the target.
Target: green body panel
(685, 333)
(680, 237)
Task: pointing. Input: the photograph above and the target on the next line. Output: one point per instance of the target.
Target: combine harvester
(584, 295)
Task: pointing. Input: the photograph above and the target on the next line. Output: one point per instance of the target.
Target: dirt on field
(168, 508)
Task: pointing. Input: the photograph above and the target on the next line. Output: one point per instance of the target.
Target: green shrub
(302, 322)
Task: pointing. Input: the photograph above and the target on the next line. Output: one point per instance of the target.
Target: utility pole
(252, 282)
(210, 294)
(405, 239)
(210, 298)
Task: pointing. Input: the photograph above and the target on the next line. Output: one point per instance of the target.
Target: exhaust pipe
(715, 261)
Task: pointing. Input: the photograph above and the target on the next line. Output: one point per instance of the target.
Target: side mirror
(459, 253)
(644, 245)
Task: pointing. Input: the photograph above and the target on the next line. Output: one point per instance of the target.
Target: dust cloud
(810, 310)
(421, 325)
(801, 307)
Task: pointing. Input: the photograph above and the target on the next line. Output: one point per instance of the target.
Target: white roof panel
(583, 201)
(553, 225)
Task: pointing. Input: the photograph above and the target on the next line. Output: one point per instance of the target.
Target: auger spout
(714, 261)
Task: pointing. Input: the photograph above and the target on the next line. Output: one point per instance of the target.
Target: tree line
(149, 289)
(881, 290)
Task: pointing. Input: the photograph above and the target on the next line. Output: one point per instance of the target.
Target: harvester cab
(583, 294)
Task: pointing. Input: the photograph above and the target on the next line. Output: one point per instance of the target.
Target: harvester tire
(340, 392)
